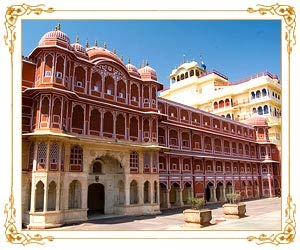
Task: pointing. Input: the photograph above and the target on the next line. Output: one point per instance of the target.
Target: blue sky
(237, 49)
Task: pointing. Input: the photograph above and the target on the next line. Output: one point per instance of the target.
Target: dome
(148, 73)
(132, 70)
(55, 37)
(78, 47)
(257, 120)
(96, 52)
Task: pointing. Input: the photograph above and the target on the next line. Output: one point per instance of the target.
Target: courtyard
(262, 214)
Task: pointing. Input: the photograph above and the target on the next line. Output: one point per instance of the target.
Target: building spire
(121, 57)
(104, 45)
(128, 60)
(147, 63)
(96, 43)
(58, 26)
(87, 43)
(115, 51)
(77, 39)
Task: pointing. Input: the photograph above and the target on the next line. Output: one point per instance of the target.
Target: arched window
(76, 158)
(216, 106)
(258, 94)
(254, 110)
(56, 112)
(78, 119)
(41, 155)
(134, 94)
(134, 162)
(79, 78)
(221, 104)
(207, 144)
(146, 130)
(228, 116)
(97, 167)
(146, 94)
(252, 95)
(266, 109)
(264, 92)
(133, 129)
(218, 146)
(45, 112)
(172, 111)
(109, 85)
(120, 126)
(39, 196)
(108, 122)
(260, 110)
(146, 162)
(54, 154)
(51, 196)
(95, 122)
(48, 67)
(161, 136)
(191, 72)
(121, 89)
(59, 69)
(173, 135)
(133, 192)
(74, 195)
(147, 193)
(185, 137)
(96, 82)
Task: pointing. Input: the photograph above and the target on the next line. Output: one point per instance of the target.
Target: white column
(46, 195)
(127, 191)
(33, 194)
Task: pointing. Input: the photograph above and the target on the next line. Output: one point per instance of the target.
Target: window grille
(42, 151)
(76, 155)
(134, 160)
(54, 153)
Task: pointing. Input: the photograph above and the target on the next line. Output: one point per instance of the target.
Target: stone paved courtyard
(263, 214)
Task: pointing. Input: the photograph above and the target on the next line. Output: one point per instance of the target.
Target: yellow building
(191, 84)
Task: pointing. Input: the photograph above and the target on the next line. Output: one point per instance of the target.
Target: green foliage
(197, 203)
(233, 198)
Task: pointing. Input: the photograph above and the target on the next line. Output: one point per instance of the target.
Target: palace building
(193, 85)
(97, 138)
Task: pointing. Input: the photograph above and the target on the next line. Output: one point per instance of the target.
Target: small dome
(148, 73)
(132, 70)
(257, 120)
(96, 52)
(55, 37)
(78, 47)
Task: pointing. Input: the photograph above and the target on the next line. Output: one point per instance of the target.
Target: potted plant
(196, 215)
(234, 209)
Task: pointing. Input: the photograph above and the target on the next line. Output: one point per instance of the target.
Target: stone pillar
(189, 195)
(46, 196)
(114, 125)
(34, 167)
(270, 186)
(224, 194)
(167, 197)
(32, 198)
(127, 192)
(179, 197)
(57, 195)
(140, 192)
(212, 194)
(152, 193)
(157, 193)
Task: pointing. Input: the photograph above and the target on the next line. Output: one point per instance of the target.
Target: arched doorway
(208, 196)
(96, 199)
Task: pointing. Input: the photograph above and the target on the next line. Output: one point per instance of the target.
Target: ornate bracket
(289, 16)
(11, 17)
